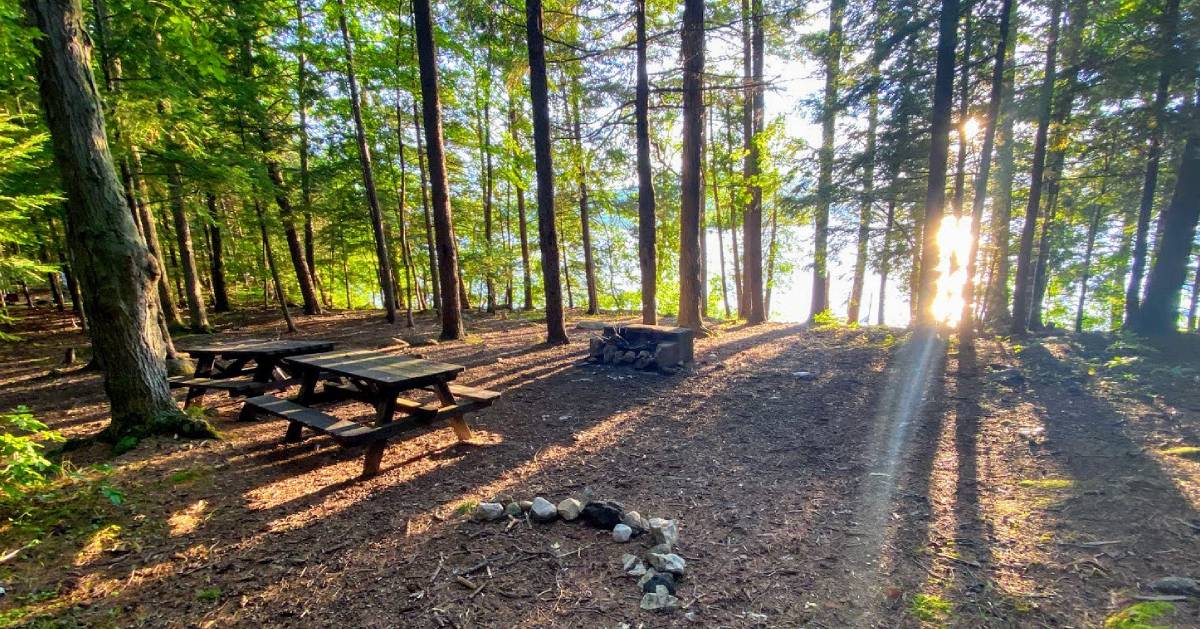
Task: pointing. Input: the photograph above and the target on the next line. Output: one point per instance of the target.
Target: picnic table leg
(458, 423)
(204, 367)
(386, 410)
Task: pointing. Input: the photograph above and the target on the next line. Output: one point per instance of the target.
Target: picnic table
(242, 367)
(378, 379)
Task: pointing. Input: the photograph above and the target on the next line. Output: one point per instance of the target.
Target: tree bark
(829, 106)
(1086, 274)
(187, 255)
(115, 268)
(967, 321)
(1194, 308)
(1159, 312)
(691, 183)
(716, 196)
(526, 269)
(997, 295)
(310, 254)
(1023, 291)
(647, 234)
(431, 104)
(866, 207)
(269, 255)
(219, 289)
(556, 333)
(935, 194)
(1167, 63)
(752, 256)
(589, 263)
(434, 282)
(382, 254)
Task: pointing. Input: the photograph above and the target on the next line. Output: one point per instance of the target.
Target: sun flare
(954, 244)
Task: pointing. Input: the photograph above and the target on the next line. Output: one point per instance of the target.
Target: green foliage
(22, 450)
(929, 608)
(1140, 616)
(826, 320)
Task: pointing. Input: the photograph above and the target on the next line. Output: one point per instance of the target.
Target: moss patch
(929, 608)
(1140, 616)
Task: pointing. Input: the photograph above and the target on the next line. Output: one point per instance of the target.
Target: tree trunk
(997, 295)
(485, 158)
(589, 263)
(556, 333)
(647, 234)
(526, 269)
(382, 254)
(1159, 312)
(150, 231)
(865, 209)
(771, 250)
(1162, 93)
(733, 225)
(1023, 291)
(935, 194)
(269, 255)
(829, 106)
(401, 194)
(964, 113)
(115, 269)
(1194, 308)
(752, 257)
(434, 281)
(691, 190)
(187, 256)
(1077, 16)
(431, 104)
(967, 321)
(220, 291)
(310, 254)
(716, 196)
(885, 258)
(1086, 274)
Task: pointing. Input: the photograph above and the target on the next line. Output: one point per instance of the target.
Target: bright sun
(954, 245)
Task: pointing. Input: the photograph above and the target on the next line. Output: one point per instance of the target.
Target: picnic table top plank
(388, 370)
(251, 348)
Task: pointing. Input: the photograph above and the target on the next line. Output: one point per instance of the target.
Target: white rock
(488, 511)
(669, 562)
(622, 533)
(660, 599)
(569, 509)
(634, 520)
(542, 510)
(632, 565)
(664, 531)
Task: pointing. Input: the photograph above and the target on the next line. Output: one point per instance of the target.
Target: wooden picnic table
(227, 366)
(378, 379)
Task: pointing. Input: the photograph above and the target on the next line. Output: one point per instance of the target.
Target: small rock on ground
(542, 510)
(659, 600)
(664, 531)
(488, 511)
(1177, 585)
(569, 509)
(603, 515)
(622, 533)
(669, 562)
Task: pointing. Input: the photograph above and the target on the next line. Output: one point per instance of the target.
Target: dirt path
(868, 496)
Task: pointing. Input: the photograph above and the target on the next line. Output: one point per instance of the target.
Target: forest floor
(1048, 486)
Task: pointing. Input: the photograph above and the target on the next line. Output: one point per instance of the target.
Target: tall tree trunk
(1086, 274)
(716, 196)
(1193, 309)
(434, 281)
(771, 251)
(747, 143)
(150, 230)
(752, 258)
(522, 223)
(115, 269)
(220, 291)
(935, 194)
(401, 197)
(1167, 61)
(647, 234)
(1077, 16)
(691, 183)
(829, 107)
(997, 295)
(967, 321)
(382, 254)
(187, 256)
(310, 254)
(269, 255)
(589, 263)
(485, 155)
(556, 333)
(1023, 290)
(1159, 312)
(733, 224)
(431, 104)
(865, 209)
(964, 113)
(885, 258)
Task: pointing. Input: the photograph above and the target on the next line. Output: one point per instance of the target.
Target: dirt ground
(1046, 486)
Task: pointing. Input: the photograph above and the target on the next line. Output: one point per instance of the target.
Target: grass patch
(929, 608)
(1139, 616)
(179, 477)
(1047, 483)
(208, 595)
(1187, 452)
